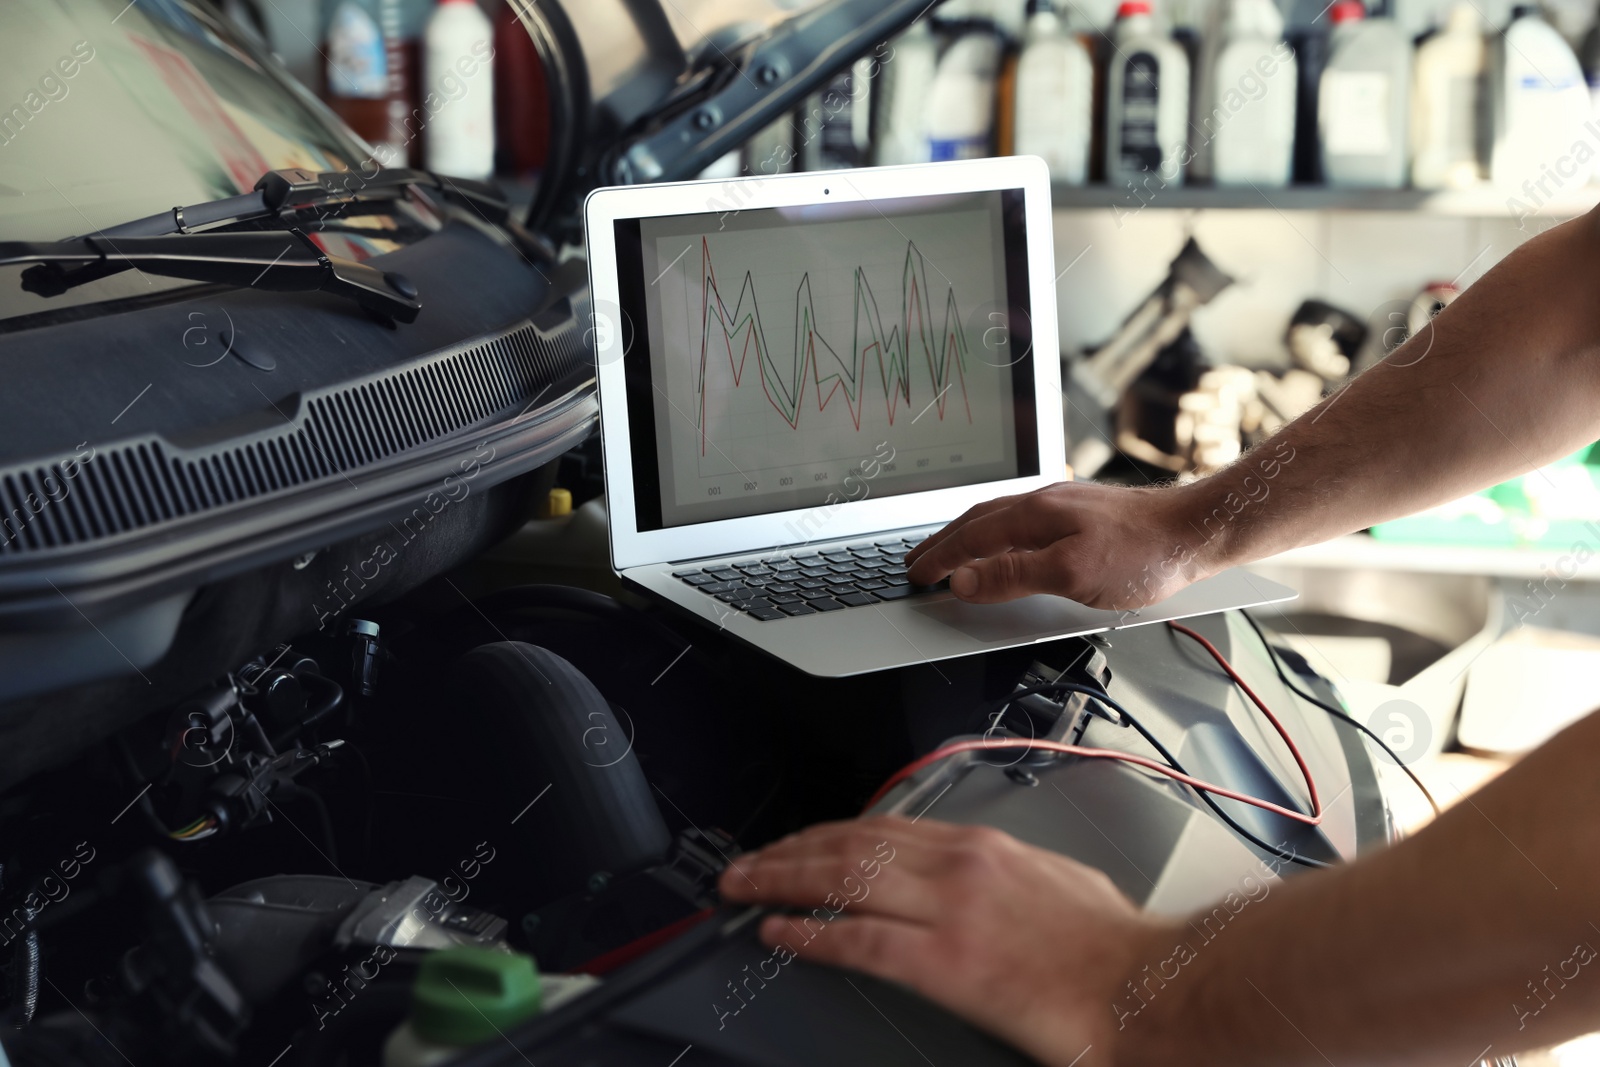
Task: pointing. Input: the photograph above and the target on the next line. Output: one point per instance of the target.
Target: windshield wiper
(184, 242)
(280, 192)
(283, 261)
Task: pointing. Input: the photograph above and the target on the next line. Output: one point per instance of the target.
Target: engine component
(271, 930)
(199, 1007)
(563, 763)
(610, 914)
(365, 655)
(418, 914)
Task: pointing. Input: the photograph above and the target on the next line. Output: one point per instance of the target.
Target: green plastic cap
(465, 995)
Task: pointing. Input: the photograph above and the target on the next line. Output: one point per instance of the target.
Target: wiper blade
(282, 191)
(281, 262)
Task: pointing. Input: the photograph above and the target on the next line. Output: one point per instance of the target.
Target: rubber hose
(552, 742)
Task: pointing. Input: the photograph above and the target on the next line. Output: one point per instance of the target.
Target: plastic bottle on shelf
(903, 89)
(961, 105)
(1540, 106)
(1055, 95)
(835, 125)
(1363, 101)
(1147, 109)
(1307, 28)
(521, 100)
(1251, 120)
(458, 72)
(1446, 103)
(358, 86)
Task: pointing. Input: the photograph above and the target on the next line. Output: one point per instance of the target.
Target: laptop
(801, 376)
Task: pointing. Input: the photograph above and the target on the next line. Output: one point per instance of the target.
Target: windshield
(110, 111)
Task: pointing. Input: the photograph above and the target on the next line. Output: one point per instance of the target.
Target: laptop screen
(802, 357)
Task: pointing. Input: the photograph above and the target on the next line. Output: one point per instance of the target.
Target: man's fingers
(976, 511)
(1031, 523)
(1010, 575)
(862, 837)
(895, 891)
(884, 866)
(884, 948)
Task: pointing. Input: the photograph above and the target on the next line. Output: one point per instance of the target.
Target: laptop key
(856, 600)
(816, 594)
(826, 603)
(782, 598)
(811, 583)
(797, 609)
(685, 574)
(726, 574)
(898, 592)
(782, 587)
(699, 579)
(764, 613)
(734, 596)
(720, 587)
(871, 584)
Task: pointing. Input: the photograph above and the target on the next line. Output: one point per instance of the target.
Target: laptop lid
(799, 357)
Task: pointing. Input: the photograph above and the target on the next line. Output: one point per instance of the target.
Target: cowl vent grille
(134, 485)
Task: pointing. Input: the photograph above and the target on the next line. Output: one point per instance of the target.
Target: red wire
(1294, 750)
(607, 962)
(1314, 819)
(1092, 753)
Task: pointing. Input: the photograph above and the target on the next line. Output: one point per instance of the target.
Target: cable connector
(365, 655)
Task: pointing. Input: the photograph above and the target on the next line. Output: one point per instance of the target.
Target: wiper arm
(282, 191)
(275, 261)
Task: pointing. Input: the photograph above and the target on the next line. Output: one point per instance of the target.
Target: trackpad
(1038, 616)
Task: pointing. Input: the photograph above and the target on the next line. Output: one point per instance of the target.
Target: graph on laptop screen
(799, 357)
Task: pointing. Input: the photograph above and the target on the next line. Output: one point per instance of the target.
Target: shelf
(1483, 202)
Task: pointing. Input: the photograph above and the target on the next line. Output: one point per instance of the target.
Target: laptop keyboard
(812, 581)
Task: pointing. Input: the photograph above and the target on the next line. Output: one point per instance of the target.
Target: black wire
(291, 791)
(1172, 761)
(1277, 665)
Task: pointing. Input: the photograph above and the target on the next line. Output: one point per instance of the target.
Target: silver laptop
(801, 376)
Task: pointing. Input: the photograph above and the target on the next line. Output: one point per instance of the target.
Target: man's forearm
(1480, 933)
(1506, 379)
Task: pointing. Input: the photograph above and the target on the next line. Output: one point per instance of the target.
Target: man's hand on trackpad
(1103, 546)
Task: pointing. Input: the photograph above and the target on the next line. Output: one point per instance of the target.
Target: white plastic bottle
(1446, 103)
(1363, 101)
(960, 107)
(1540, 106)
(1254, 85)
(1147, 108)
(1055, 95)
(835, 125)
(904, 85)
(458, 94)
